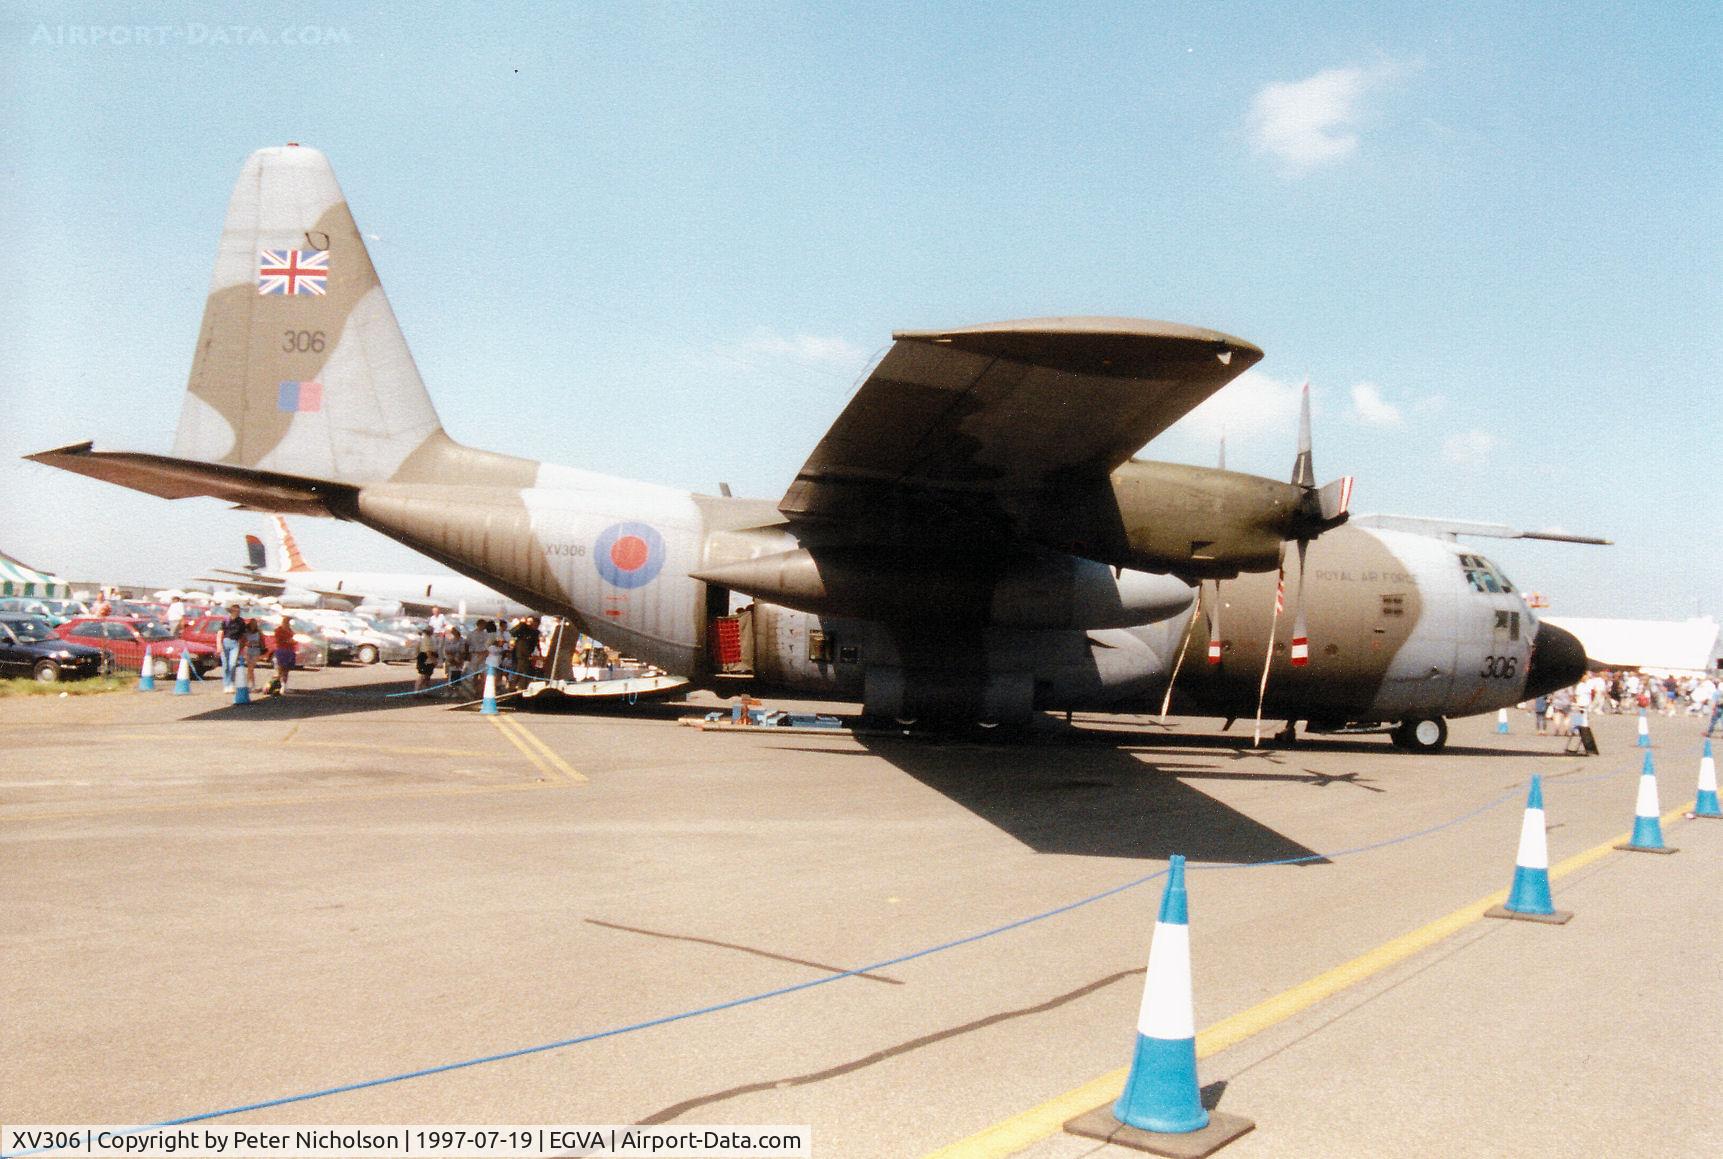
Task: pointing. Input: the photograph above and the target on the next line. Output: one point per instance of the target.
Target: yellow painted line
(526, 751)
(261, 802)
(512, 728)
(1023, 1130)
(408, 750)
(289, 741)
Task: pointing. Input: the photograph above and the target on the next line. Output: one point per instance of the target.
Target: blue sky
(662, 241)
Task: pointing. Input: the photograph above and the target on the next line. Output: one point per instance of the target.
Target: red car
(126, 638)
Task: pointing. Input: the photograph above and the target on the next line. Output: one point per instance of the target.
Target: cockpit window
(1483, 575)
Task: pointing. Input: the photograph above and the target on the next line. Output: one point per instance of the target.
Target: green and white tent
(19, 579)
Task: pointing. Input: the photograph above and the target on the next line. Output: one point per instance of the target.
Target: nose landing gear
(1425, 734)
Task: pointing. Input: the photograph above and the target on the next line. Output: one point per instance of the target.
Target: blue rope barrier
(872, 967)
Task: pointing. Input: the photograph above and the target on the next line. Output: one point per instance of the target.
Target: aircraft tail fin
(288, 558)
(301, 368)
(255, 561)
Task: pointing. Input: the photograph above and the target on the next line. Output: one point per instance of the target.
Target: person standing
(525, 636)
(454, 659)
(439, 623)
(477, 644)
(176, 615)
(425, 662)
(286, 653)
(252, 646)
(232, 641)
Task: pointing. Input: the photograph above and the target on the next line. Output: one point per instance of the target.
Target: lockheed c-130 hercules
(972, 539)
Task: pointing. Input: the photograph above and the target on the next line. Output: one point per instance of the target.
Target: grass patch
(94, 686)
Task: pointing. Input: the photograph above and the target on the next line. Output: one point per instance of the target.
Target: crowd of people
(1566, 709)
(511, 648)
(242, 648)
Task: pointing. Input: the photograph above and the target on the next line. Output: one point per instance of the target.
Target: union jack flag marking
(293, 272)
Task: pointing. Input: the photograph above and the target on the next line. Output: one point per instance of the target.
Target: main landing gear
(1425, 734)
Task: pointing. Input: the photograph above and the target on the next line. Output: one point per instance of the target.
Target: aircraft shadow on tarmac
(1098, 795)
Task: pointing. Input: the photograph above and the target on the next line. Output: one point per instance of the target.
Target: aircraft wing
(957, 419)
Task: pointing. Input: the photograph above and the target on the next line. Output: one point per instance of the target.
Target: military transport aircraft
(296, 584)
(971, 540)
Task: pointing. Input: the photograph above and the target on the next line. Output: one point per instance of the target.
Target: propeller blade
(1334, 498)
(1214, 627)
(1300, 638)
(1303, 467)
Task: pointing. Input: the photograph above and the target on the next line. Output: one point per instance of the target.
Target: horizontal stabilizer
(1450, 528)
(248, 586)
(171, 478)
(256, 577)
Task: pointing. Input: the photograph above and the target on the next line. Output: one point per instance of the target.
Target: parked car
(56, 612)
(29, 647)
(126, 638)
(370, 642)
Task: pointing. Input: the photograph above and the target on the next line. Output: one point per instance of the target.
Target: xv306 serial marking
(971, 540)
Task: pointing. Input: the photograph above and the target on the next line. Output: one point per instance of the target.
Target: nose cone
(1558, 660)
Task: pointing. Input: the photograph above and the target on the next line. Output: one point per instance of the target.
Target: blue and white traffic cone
(1501, 720)
(241, 690)
(147, 677)
(1161, 1093)
(1705, 804)
(1161, 1096)
(1647, 826)
(182, 682)
(1529, 899)
(489, 707)
(1644, 731)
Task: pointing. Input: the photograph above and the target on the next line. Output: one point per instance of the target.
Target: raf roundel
(628, 555)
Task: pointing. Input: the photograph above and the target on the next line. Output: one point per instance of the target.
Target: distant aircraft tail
(288, 556)
(254, 557)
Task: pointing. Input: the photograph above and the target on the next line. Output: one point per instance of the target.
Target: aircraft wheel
(1421, 734)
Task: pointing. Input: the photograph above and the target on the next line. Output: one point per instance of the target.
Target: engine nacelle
(1048, 590)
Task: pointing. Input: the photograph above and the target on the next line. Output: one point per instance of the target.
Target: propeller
(1323, 508)
(1320, 509)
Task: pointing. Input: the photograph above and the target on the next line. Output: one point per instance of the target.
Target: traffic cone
(1501, 720)
(182, 682)
(1705, 805)
(1529, 900)
(147, 678)
(1161, 1107)
(489, 707)
(1647, 828)
(241, 690)
(1644, 731)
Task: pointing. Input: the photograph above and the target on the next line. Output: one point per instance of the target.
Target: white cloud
(1468, 449)
(1311, 122)
(1253, 405)
(824, 351)
(1371, 409)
